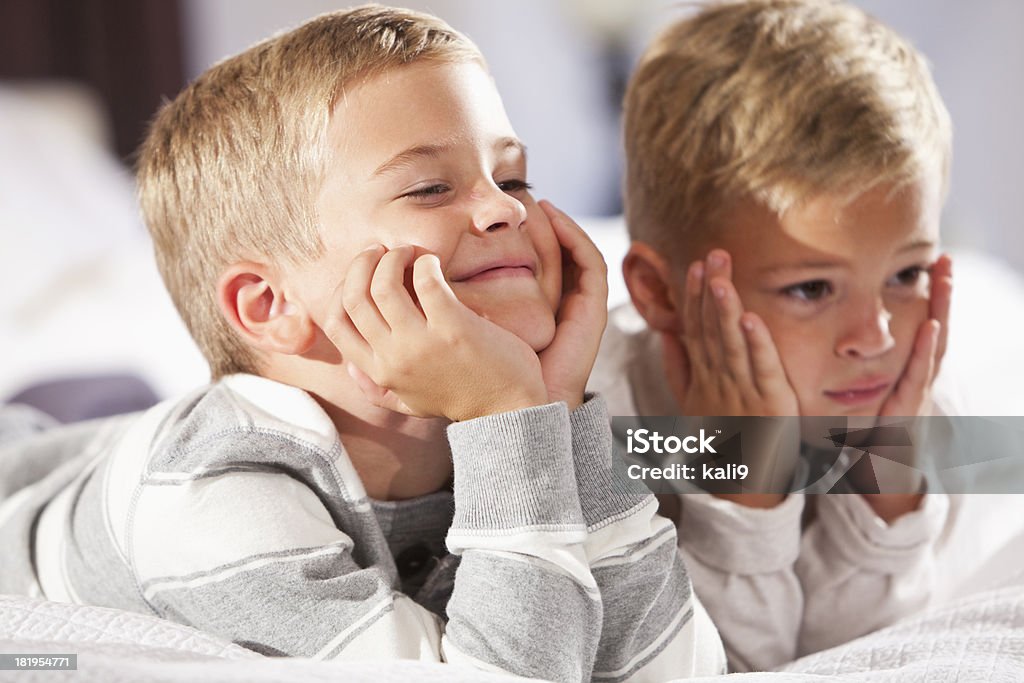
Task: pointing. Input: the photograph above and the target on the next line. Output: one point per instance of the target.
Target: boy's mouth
(860, 392)
(500, 268)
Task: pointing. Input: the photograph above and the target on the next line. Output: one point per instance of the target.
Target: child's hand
(434, 358)
(912, 395)
(566, 363)
(724, 362)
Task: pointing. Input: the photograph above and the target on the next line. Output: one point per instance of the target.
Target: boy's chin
(535, 328)
(540, 337)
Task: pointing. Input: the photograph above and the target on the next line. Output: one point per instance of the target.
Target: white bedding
(980, 638)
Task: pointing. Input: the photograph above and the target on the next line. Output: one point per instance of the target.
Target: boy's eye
(430, 191)
(908, 277)
(515, 185)
(812, 290)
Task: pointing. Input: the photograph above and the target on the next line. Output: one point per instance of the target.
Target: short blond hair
(231, 168)
(775, 101)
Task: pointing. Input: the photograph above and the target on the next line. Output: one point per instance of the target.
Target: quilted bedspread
(978, 638)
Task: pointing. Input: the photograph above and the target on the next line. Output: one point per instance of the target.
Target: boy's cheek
(905, 324)
(796, 347)
(805, 350)
(908, 315)
(549, 255)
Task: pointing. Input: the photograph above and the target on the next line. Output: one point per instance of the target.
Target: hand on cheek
(432, 357)
(912, 395)
(566, 362)
(724, 362)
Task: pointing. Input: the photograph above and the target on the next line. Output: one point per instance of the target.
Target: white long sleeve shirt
(815, 571)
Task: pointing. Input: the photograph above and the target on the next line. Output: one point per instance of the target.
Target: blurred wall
(128, 52)
(977, 58)
(550, 65)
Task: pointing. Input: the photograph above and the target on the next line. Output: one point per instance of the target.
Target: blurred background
(80, 78)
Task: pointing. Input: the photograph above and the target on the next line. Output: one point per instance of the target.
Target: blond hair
(232, 166)
(775, 101)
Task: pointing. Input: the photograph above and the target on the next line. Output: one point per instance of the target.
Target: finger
(593, 271)
(693, 323)
(440, 305)
(716, 266)
(734, 343)
(346, 338)
(389, 293)
(356, 296)
(765, 363)
(378, 395)
(917, 377)
(941, 298)
(371, 390)
(584, 300)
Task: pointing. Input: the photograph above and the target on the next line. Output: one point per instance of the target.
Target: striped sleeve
(234, 510)
(524, 600)
(264, 540)
(252, 554)
(654, 628)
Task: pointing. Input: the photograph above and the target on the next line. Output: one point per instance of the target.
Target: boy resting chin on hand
(396, 459)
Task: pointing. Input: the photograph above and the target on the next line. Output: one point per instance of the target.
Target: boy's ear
(649, 281)
(256, 305)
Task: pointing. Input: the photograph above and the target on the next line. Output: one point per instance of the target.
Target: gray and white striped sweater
(238, 512)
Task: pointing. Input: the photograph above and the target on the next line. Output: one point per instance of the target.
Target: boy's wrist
(605, 491)
(507, 403)
(571, 400)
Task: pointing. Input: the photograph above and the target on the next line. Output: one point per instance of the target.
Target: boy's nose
(495, 209)
(866, 335)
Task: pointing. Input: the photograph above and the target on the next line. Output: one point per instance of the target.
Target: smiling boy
(396, 458)
(786, 166)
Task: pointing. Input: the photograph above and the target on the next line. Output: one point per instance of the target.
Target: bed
(979, 638)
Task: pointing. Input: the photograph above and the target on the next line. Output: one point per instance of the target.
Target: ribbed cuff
(739, 539)
(866, 541)
(605, 492)
(514, 470)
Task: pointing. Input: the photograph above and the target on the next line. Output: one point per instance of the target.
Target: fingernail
(698, 270)
(715, 260)
(748, 324)
(719, 291)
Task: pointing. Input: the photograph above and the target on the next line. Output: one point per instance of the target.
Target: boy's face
(424, 155)
(842, 286)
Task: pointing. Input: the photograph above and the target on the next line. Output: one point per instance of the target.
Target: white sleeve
(741, 561)
(860, 574)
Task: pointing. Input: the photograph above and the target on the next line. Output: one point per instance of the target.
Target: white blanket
(979, 638)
